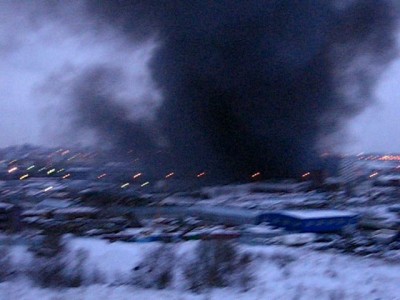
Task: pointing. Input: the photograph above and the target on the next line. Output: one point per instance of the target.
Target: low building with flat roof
(311, 220)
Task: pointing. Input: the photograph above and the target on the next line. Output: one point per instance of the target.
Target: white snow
(262, 229)
(280, 273)
(297, 239)
(112, 259)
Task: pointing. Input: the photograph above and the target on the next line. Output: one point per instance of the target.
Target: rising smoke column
(256, 85)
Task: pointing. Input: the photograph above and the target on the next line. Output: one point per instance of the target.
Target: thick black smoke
(251, 85)
(95, 101)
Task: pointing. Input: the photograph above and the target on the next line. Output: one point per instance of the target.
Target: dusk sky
(377, 128)
(35, 50)
(38, 50)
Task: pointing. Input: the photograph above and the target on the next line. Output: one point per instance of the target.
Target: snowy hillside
(279, 273)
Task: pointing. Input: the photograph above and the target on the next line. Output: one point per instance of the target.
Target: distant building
(311, 220)
(81, 173)
(10, 217)
(53, 204)
(72, 213)
(388, 180)
(225, 215)
(350, 171)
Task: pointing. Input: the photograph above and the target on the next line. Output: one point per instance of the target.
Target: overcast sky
(377, 128)
(40, 56)
(32, 53)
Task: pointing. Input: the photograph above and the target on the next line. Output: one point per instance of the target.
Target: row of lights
(379, 157)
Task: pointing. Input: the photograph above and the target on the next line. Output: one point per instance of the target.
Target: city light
(48, 189)
(387, 157)
(73, 157)
(66, 176)
(169, 175)
(255, 175)
(390, 157)
(12, 170)
(201, 174)
(305, 174)
(24, 177)
(137, 175)
(65, 152)
(125, 185)
(144, 184)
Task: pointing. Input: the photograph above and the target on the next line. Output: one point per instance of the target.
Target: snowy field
(279, 273)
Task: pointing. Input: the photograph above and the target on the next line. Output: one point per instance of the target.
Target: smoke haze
(227, 87)
(257, 85)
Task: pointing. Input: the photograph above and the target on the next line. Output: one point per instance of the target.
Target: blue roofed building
(311, 220)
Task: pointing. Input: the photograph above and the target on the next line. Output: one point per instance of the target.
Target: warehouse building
(225, 215)
(311, 220)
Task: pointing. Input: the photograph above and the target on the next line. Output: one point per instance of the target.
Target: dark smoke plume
(98, 109)
(249, 85)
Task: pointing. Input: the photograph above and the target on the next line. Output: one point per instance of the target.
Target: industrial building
(311, 220)
(225, 215)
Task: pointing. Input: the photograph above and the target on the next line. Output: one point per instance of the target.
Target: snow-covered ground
(280, 273)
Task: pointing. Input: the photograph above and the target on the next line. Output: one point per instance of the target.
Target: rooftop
(317, 214)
